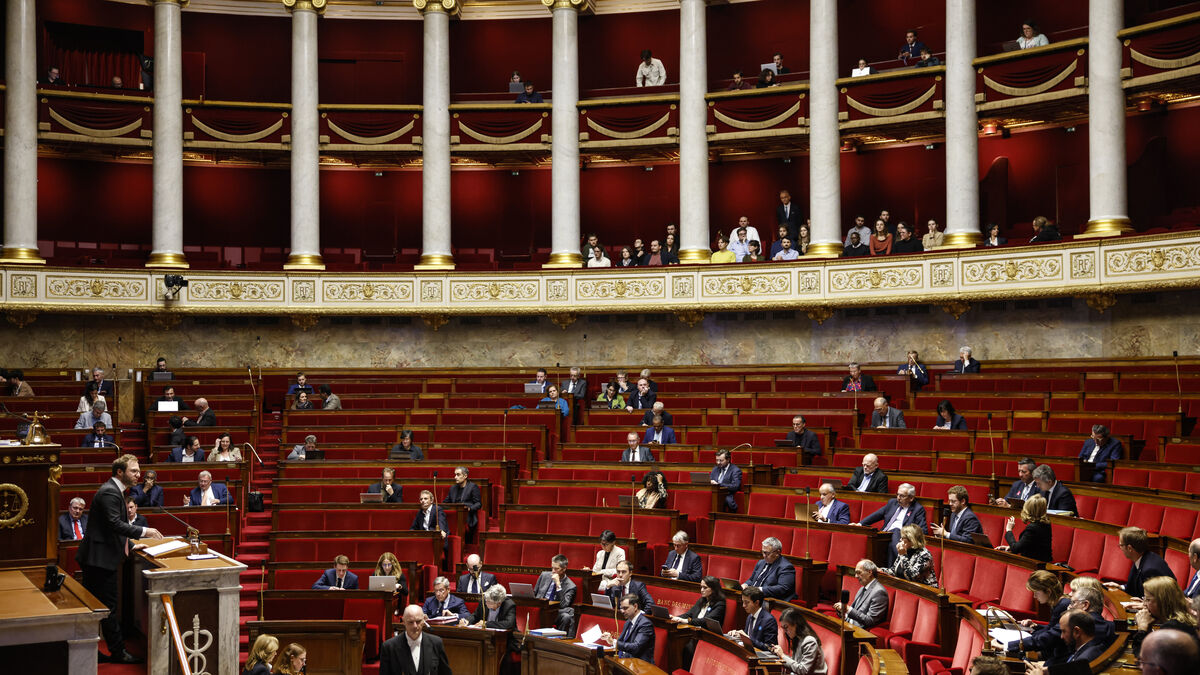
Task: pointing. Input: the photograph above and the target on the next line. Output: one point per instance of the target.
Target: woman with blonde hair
(913, 560)
(389, 566)
(1035, 538)
(1047, 589)
(261, 655)
(1163, 606)
(292, 660)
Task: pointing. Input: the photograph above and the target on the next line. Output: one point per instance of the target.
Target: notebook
(533, 387)
(370, 498)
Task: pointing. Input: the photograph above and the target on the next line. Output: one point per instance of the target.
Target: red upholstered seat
(1179, 523)
(1086, 551)
(503, 552)
(724, 567)
(768, 505)
(968, 645)
(1114, 566)
(372, 611)
(717, 660)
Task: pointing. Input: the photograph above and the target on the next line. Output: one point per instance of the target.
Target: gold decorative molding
(95, 288)
(493, 291)
(1034, 90)
(1100, 301)
(1029, 269)
(435, 261)
(317, 6)
(1106, 227)
(1153, 259)
(435, 321)
(167, 320)
(305, 321)
(1164, 64)
(690, 317)
(23, 286)
(431, 291)
(343, 291)
(820, 314)
(370, 140)
(567, 260)
(747, 284)
(19, 256)
(682, 287)
(956, 308)
(695, 256)
(609, 288)
(628, 135)
(563, 319)
(500, 140)
(941, 274)
(756, 126)
(304, 290)
(304, 261)
(1083, 265)
(892, 112)
(20, 317)
(876, 279)
(170, 261)
(220, 291)
(238, 138)
(582, 6)
(450, 7)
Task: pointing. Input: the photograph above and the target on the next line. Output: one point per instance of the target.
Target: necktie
(953, 522)
(627, 630)
(339, 582)
(721, 477)
(441, 608)
(78, 531)
(763, 575)
(474, 588)
(679, 563)
(1025, 492)
(750, 625)
(1191, 589)
(553, 594)
(604, 562)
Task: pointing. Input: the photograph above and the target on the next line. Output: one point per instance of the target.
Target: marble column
(20, 135)
(693, 134)
(962, 128)
(564, 130)
(305, 133)
(1108, 210)
(824, 140)
(435, 135)
(167, 208)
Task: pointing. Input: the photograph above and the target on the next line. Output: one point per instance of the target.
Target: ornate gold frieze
(220, 291)
(493, 291)
(1100, 301)
(95, 288)
(304, 290)
(23, 286)
(431, 291)
(556, 290)
(593, 289)
(747, 284)
(435, 321)
(808, 282)
(682, 287)
(1083, 265)
(563, 319)
(876, 279)
(941, 275)
(343, 291)
(820, 314)
(1152, 259)
(1030, 269)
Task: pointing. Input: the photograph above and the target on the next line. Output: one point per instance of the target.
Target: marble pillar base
(695, 256)
(168, 261)
(824, 250)
(954, 240)
(435, 261)
(304, 261)
(1106, 227)
(27, 256)
(568, 260)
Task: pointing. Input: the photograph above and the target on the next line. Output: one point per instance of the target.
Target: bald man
(206, 418)
(414, 651)
(475, 580)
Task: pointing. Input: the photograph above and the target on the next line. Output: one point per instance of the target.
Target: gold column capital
(581, 6)
(451, 7)
(695, 256)
(954, 240)
(1106, 227)
(317, 6)
(181, 3)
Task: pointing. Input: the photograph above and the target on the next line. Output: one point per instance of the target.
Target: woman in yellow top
(723, 254)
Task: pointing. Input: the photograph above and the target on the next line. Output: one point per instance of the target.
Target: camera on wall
(174, 282)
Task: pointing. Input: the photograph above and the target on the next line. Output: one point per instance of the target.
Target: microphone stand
(942, 564)
(192, 533)
(1178, 388)
(262, 587)
(992, 444)
(632, 506)
(504, 437)
(807, 502)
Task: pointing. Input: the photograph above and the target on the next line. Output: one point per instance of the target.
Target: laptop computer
(533, 387)
(784, 443)
(520, 590)
(370, 498)
(625, 501)
(168, 406)
(601, 600)
(313, 454)
(730, 584)
(159, 375)
(980, 539)
(385, 583)
(699, 478)
(834, 483)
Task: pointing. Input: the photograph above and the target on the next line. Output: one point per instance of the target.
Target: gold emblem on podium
(14, 504)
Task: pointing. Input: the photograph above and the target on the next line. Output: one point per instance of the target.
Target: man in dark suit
(802, 437)
(208, 493)
(169, 396)
(104, 547)
(857, 380)
(642, 399)
(898, 512)
(475, 580)
(1193, 586)
(575, 386)
(177, 436)
(886, 417)
(103, 387)
(135, 519)
(426, 520)
(386, 486)
(396, 654)
(761, 631)
(635, 451)
(658, 409)
(190, 451)
(1058, 495)
(1024, 487)
(499, 612)
(869, 477)
(831, 510)
(339, 578)
(1100, 449)
(539, 378)
(442, 603)
(467, 493)
(636, 640)
(659, 433)
(1146, 563)
(622, 584)
(206, 418)
(682, 563)
(1044, 231)
(556, 586)
(965, 364)
(774, 574)
(73, 524)
(787, 214)
(149, 493)
(728, 476)
(962, 522)
(98, 438)
(870, 605)
(1079, 633)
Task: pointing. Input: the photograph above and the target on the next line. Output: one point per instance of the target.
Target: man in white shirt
(424, 651)
(751, 231)
(860, 226)
(786, 252)
(650, 72)
(207, 493)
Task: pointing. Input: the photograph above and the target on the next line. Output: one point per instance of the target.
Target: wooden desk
(334, 646)
(47, 633)
(473, 651)
(546, 656)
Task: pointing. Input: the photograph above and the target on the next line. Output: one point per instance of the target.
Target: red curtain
(89, 56)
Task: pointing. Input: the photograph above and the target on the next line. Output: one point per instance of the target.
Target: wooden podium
(203, 596)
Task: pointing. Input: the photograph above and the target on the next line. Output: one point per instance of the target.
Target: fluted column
(693, 135)
(962, 128)
(1109, 208)
(20, 136)
(824, 140)
(564, 130)
(167, 206)
(435, 134)
(306, 152)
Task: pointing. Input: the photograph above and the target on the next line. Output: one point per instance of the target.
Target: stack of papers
(547, 632)
(590, 637)
(165, 547)
(1007, 635)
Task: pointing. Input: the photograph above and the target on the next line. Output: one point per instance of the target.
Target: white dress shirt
(414, 647)
(653, 75)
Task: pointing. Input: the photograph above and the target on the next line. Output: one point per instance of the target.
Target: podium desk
(473, 651)
(548, 656)
(204, 595)
(36, 626)
(333, 646)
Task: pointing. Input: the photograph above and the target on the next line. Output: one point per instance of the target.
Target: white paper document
(165, 547)
(591, 635)
(1007, 635)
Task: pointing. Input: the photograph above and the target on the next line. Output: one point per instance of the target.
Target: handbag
(254, 501)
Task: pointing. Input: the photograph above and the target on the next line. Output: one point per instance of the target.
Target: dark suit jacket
(220, 493)
(177, 455)
(1087, 653)
(506, 619)
(716, 613)
(419, 520)
(578, 390)
(142, 497)
(839, 512)
(895, 419)
(1061, 499)
(258, 669)
(106, 440)
(972, 366)
(486, 581)
(868, 382)
(105, 388)
(453, 603)
(693, 569)
(1034, 542)
(870, 605)
(1192, 589)
(393, 498)
(469, 496)
(66, 530)
(329, 580)
(206, 419)
(182, 404)
(177, 437)
(957, 422)
(639, 402)
(1045, 639)
(879, 481)
(643, 451)
(733, 477)
(778, 581)
(1152, 565)
(792, 219)
(668, 435)
(765, 633)
(1108, 452)
(915, 515)
(395, 658)
(645, 601)
(103, 544)
(637, 642)
(139, 521)
(922, 375)
(566, 595)
(967, 523)
(648, 419)
(1047, 233)
(806, 441)
(1018, 487)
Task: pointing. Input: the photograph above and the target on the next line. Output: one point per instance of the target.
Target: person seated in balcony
(761, 631)
(650, 72)
(97, 414)
(862, 68)
(911, 49)
(332, 400)
(207, 493)
(116, 82)
(1047, 590)
(90, 395)
(857, 380)
(933, 238)
(300, 450)
(948, 419)
(962, 522)
(965, 363)
(780, 69)
(723, 254)
(1044, 231)
(206, 418)
(655, 257)
(610, 396)
(1031, 37)
(881, 239)
(670, 249)
(599, 259)
(149, 493)
(740, 246)
(516, 77)
(406, 450)
(640, 254)
(302, 402)
(224, 450)
(592, 241)
(552, 398)
(870, 605)
(915, 370)
(993, 238)
(802, 437)
(786, 252)
(854, 247)
(738, 83)
(54, 76)
(1100, 449)
(777, 245)
(442, 603)
(860, 226)
(804, 239)
(766, 79)
(530, 95)
(658, 409)
(1035, 540)
(300, 385)
(927, 59)
(338, 578)
(18, 385)
(658, 433)
(905, 241)
(643, 398)
(97, 438)
(627, 259)
(653, 494)
(755, 254)
(773, 574)
(634, 450)
(386, 486)
(169, 396)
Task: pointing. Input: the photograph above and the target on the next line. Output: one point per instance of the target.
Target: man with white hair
(475, 580)
(898, 512)
(774, 574)
(869, 477)
(415, 651)
(870, 605)
(103, 387)
(682, 562)
(96, 415)
(576, 385)
(658, 409)
(73, 524)
(443, 603)
(498, 612)
(207, 417)
(965, 364)
(208, 493)
(830, 509)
